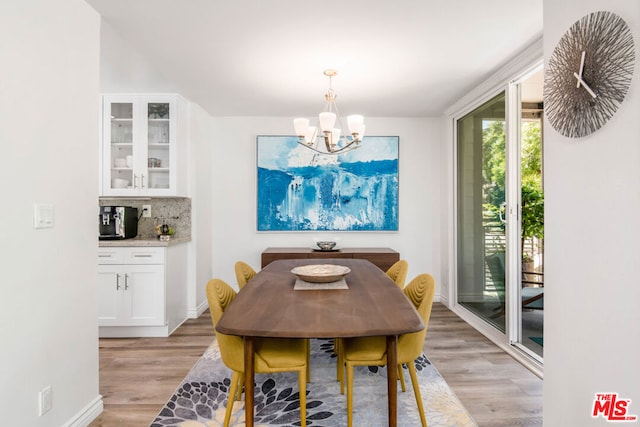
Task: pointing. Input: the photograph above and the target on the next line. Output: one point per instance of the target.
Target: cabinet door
(159, 122)
(144, 295)
(109, 295)
(119, 155)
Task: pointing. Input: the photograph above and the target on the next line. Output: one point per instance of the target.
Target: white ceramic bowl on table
(321, 273)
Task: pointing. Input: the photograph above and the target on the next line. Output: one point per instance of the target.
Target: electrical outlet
(146, 211)
(45, 400)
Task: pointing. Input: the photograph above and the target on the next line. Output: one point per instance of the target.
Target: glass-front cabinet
(139, 156)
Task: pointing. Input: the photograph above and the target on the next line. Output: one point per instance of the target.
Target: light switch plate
(45, 400)
(42, 215)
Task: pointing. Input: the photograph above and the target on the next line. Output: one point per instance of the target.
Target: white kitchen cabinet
(132, 292)
(143, 144)
(131, 295)
(135, 285)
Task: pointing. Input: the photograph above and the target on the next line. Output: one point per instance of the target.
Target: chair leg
(302, 384)
(336, 351)
(340, 366)
(240, 385)
(308, 360)
(232, 394)
(401, 377)
(349, 395)
(416, 392)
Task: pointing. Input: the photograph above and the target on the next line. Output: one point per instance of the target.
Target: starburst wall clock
(588, 74)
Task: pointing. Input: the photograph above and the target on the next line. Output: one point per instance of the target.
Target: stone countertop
(142, 242)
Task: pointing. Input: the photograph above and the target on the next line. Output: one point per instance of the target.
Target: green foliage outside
(494, 169)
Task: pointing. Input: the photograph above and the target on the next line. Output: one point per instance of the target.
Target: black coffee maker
(117, 222)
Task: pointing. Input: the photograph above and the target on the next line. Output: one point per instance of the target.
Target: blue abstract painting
(300, 190)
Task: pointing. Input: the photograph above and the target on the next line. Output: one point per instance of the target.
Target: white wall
(49, 77)
(592, 201)
(201, 139)
(234, 206)
(125, 69)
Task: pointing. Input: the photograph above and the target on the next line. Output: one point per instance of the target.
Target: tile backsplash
(173, 211)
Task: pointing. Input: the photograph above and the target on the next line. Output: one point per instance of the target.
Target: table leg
(248, 380)
(392, 378)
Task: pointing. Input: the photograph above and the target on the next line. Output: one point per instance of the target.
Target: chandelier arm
(349, 147)
(312, 148)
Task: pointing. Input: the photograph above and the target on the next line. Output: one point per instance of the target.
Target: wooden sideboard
(383, 258)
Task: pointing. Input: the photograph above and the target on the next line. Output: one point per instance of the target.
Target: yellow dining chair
(244, 273)
(271, 354)
(398, 272)
(371, 351)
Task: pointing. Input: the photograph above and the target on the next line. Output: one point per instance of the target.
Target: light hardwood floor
(496, 390)
(137, 376)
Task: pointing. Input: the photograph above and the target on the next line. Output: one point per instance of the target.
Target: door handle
(117, 282)
(126, 281)
(502, 211)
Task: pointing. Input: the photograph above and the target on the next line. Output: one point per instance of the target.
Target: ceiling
(400, 58)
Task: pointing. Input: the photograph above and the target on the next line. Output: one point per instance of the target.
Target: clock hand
(584, 84)
(581, 67)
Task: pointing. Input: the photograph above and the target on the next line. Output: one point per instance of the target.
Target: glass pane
(158, 127)
(481, 196)
(121, 122)
(532, 223)
(121, 144)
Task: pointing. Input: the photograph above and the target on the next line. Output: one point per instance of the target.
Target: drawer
(144, 255)
(110, 256)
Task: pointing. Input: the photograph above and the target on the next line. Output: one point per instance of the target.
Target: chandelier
(325, 138)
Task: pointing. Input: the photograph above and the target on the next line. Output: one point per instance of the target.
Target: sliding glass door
(481, 202)
(529, 148)
(500, 213)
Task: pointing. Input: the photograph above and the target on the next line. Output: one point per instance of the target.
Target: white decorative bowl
(321, 273)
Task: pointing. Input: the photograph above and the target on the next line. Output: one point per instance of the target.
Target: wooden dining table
(269, 307)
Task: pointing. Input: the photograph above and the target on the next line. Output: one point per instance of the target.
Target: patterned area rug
(201, 399)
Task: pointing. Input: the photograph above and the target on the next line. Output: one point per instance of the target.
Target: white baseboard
(133, 331)
(87, 414)
(194, 314)
(177, 326)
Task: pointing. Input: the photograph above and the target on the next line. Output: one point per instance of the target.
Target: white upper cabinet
(142, 145)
